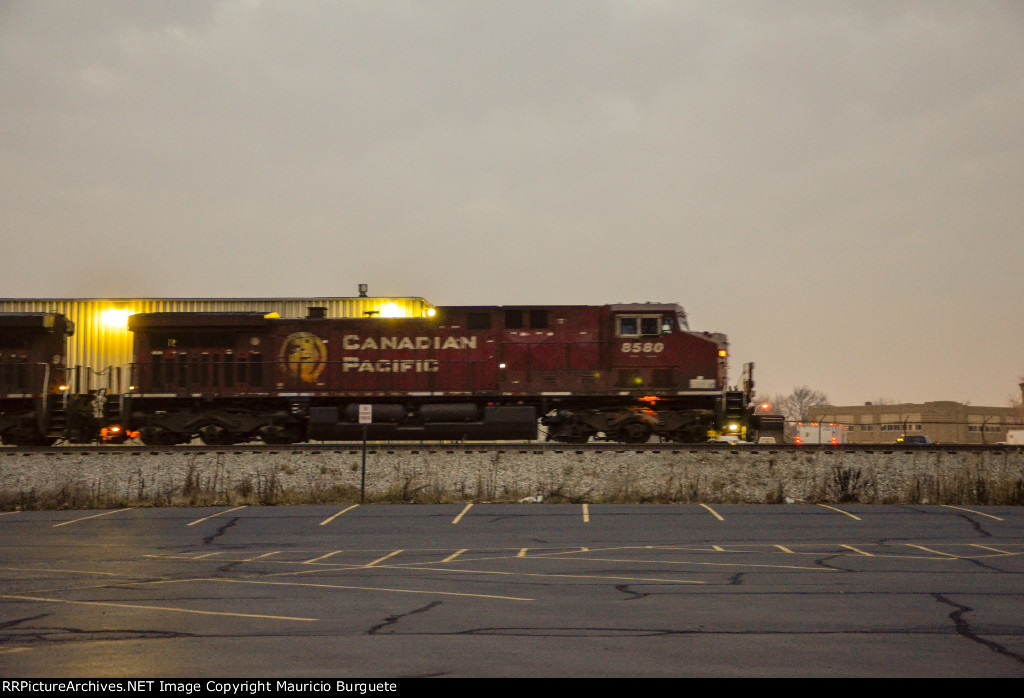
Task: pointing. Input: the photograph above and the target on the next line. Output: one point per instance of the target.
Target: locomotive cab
(662, 380)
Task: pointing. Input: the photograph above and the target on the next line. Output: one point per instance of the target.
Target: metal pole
(362, 484)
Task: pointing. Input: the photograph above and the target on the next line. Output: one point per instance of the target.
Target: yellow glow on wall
(115, 318)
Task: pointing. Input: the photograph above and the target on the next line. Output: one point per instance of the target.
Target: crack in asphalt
(963, 629)
(976, 525)
(18, 621)
(624, 588)
(220, 531)
(59, 634)
(824, 562)
(391, 620)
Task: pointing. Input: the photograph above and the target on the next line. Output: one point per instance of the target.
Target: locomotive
(622, 373)
(31, 374)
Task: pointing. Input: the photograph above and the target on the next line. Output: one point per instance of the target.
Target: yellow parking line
(8, 513)
(785, 549)
(929, 550)
(457, 570)
(691, 562)
(322, 557)
(995, 550)
(105, 513)
(857, 550)
(522, 552)
(979, 513)
(462, 513)
(382, 559)
(840, 511)
(263, 556)
(358, 588)
(713, 512)
(62, 570)
(586, 514)
(206, 518)
(332, 518)
(454, 555)
(153, 608)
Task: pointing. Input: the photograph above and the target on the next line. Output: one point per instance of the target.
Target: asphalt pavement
(513, 590)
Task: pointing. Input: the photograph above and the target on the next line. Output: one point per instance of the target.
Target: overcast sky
(835, 185)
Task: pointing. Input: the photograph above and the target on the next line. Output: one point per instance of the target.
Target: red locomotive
(32, 374)
(468, 372)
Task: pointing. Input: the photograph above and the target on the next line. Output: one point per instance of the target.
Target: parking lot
(513, 590)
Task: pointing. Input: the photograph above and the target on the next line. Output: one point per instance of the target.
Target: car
(915, 441)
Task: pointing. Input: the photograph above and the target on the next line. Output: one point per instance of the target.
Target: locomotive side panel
(187, 354)
(553, 350)
(387, 356)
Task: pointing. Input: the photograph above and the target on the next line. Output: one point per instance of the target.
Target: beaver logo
(304, 356)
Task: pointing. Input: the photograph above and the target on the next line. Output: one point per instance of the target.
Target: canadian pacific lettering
(353, 363)
(353, 342)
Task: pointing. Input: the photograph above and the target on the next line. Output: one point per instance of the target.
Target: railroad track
(535, 446)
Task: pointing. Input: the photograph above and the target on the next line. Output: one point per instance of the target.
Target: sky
(837, 186)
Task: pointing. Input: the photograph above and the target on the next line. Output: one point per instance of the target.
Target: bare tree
(1017, 401)
(795, 405)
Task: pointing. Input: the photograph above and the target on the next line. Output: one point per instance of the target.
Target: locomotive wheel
(158, 436)
(690, 434)
(213, 435)
(273, 434)
(26, 438)
(633, 431)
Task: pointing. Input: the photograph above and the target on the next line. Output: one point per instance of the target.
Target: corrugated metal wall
(102, 344)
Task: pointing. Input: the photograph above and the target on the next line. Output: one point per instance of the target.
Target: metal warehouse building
(100, 351)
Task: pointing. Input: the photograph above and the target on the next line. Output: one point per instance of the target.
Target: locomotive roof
(42, 321)
(647, 308)
(143, 321)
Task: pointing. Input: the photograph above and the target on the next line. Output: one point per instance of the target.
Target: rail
(509, 446)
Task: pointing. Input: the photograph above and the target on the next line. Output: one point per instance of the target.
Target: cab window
(643, 325)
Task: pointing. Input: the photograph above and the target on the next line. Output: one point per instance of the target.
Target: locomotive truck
(619, 372)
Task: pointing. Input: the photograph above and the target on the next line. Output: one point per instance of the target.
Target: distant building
(942, 422)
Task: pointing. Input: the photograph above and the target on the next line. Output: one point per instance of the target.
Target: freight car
(619, 372)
